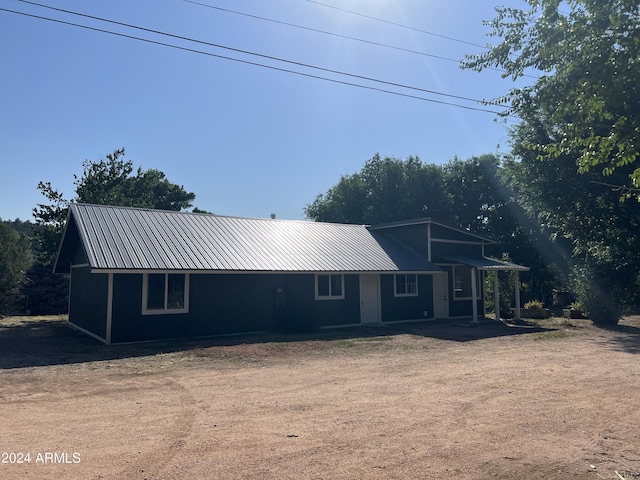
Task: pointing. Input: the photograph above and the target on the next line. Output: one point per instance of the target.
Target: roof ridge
(236, 217)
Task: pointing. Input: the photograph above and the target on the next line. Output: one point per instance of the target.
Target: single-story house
(141, 274)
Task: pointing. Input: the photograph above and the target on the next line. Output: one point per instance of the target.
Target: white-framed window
(462, 282)
(406, 285)
(165, 293)
(329, 286)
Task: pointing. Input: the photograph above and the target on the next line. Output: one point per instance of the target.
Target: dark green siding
(128, 323)
(415, 236)
(88, 300)
(444, 233)
(345, 311)
(442, 250)
(462, 308)
(232, 303)
(406, 308)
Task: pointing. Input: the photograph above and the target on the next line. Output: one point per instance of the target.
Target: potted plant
(575, 310)
(535, 309)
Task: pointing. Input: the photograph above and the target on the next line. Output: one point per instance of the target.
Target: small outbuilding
(140, 274)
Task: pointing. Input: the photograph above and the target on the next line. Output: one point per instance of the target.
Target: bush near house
(535, 309)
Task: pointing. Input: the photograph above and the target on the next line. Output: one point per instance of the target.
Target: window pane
(401, 284)
(463, 282)
(155, 291)
(323, 285)
(412, 285)
(336, 285)
(175, 291)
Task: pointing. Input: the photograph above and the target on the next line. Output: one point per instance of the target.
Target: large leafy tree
(109, 181)
(587, 53)
(385, 190)
(577, 145)
(113, 182)
(595, 233)
(15, 259)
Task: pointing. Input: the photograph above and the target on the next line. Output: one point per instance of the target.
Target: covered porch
(487, 264)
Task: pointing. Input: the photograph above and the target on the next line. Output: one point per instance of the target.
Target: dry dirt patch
(559, 400)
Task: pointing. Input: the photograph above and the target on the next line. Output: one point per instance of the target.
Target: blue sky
(247, 140)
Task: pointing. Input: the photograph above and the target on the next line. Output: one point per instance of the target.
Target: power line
(338, 35)
(269, 57)
(388, 22)
(324, 32)
(367, 87)
(360, 77)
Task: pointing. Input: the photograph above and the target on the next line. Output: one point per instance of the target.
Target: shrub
(578, 306)
(601, 290)
(534, 305)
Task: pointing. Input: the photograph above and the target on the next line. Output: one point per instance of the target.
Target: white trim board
(87, 332)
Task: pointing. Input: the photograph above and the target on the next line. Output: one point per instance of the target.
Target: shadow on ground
(32, 343)
(626, 335)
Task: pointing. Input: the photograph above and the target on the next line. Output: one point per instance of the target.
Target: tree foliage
(110, 181)
(385, 190)
(587, 53)
(15, 259)
(595, 234)
(576, 149)
(468, 193)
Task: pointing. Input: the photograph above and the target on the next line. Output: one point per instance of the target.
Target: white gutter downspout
(474, 295)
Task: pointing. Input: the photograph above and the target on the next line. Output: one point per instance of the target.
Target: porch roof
(486, 263)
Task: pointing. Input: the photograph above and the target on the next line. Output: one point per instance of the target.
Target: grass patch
(376, 339)
(553, 335)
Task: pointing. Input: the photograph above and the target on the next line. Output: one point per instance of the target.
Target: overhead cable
(324, 32)
(368, 87)
(484, 47)
(269, 57)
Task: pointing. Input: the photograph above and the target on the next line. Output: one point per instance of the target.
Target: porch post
(517, 294)
(474, 295)
(496, 291)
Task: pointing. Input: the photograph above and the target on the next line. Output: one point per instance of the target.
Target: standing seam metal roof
(124, 238)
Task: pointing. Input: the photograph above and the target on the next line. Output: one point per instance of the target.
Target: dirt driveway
(432, 401)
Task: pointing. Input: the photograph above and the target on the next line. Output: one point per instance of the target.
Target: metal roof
(124, 238)
(486, 263)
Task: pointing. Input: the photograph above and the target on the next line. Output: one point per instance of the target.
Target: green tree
(385, 190)
(587, 53)
(15, 259)
(579, 135)
(112, 182)
(595, 233)
(109, 181)
(476, 194)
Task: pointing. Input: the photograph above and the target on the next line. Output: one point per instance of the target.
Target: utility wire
(324, 32)
(484, 47)
(453, 39)
(271, 67)
(269, 57)
(338, 35)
